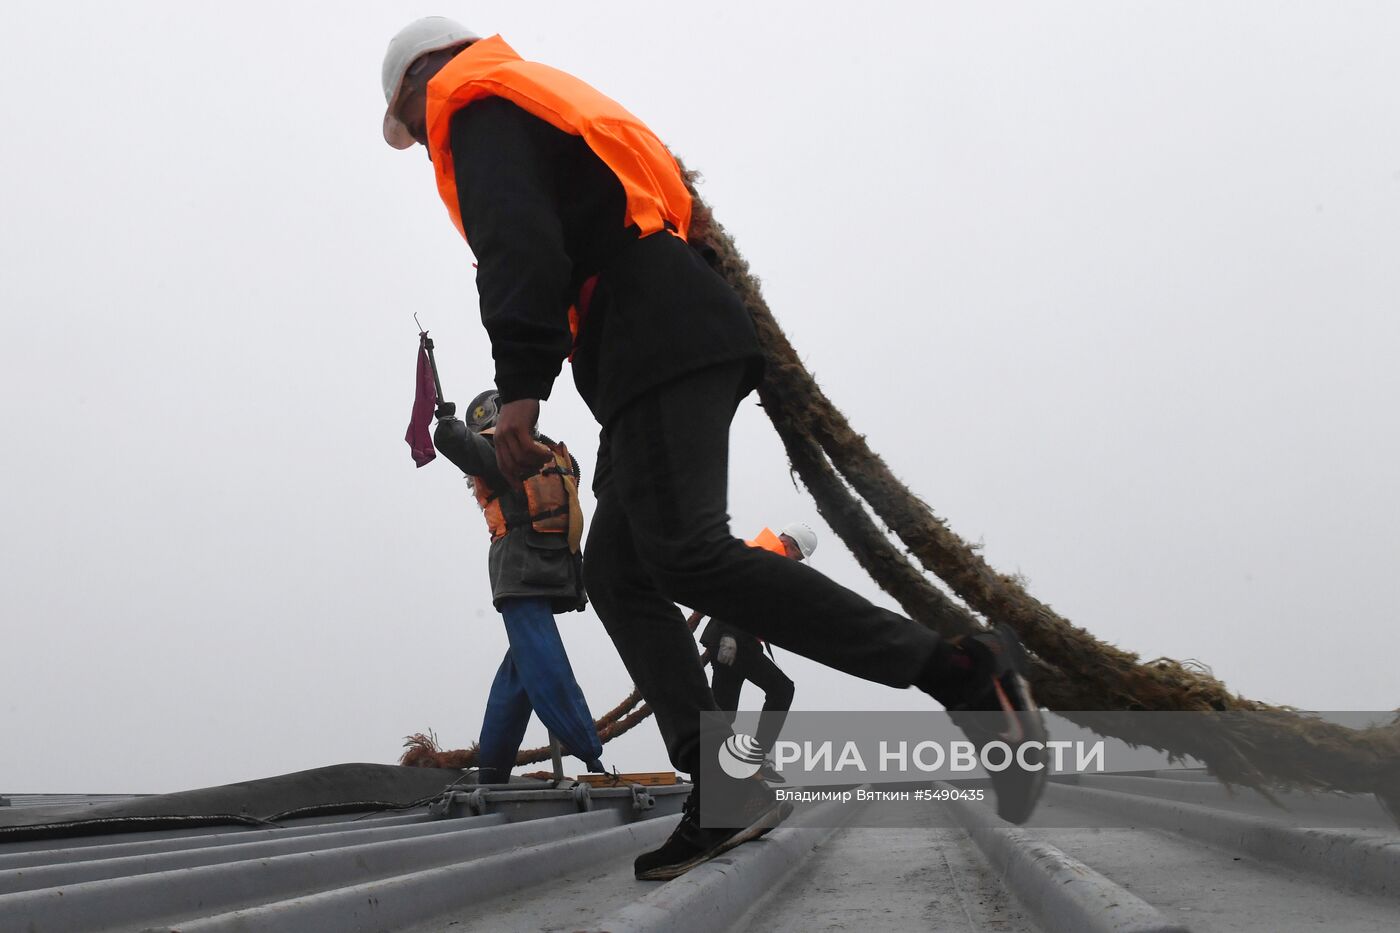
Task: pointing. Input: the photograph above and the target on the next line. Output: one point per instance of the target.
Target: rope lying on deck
(1270, 746)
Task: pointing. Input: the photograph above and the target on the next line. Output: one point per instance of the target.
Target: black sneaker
(771, 774)
(690, 844)
(998, 707)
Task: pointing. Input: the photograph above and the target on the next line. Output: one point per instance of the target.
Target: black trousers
(751, 664)
(660, 536)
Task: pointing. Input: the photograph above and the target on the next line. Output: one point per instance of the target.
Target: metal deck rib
(1173, 852)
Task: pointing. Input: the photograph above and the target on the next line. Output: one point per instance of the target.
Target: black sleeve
(472, 453)
(504, 161)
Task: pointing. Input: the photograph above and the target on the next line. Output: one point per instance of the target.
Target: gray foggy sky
(1114, 288)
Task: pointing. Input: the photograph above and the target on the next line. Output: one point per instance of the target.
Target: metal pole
(556, 752)
(432, 361)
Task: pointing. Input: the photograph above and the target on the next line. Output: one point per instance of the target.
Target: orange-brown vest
(551, 496)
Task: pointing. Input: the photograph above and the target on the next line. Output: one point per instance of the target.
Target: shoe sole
(1023, 725)
(759, 827)
(1029, 722)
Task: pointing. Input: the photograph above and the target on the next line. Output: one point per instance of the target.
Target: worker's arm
(471, 452)
(504, 162)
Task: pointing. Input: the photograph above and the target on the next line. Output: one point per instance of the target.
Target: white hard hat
(803, 536)
(416, 39)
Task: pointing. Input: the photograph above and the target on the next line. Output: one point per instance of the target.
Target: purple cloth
(419, 438)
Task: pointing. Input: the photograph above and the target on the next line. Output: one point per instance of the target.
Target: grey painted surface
(65, 800)
(406, 899)
(1062, 893)
(1212, 890)
(222, 851)
(1164, 852)
(83, 850)
(1367, 861)
(139, 900)
(924, 877)
(713, 896)
(1337, 810)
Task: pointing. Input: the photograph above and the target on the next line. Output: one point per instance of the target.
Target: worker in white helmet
(737, 656)
(580, 218)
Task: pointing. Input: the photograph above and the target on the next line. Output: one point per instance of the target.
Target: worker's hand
(518, 454)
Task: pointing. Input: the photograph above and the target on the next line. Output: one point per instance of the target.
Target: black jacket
(543, 214)
(524, 562)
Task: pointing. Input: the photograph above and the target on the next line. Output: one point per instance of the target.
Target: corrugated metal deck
(61, 800)
(1168, 851)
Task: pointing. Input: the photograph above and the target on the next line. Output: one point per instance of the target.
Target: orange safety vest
(551, 497)
(769, 541)
(657, 198)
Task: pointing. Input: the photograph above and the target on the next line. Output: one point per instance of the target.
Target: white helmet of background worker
(803, 536)
(415, 40)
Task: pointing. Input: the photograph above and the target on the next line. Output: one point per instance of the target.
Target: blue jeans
(534, 676)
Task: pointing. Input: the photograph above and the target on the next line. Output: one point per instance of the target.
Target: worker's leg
(661, 535)
(777, 689)
(503, 728)
(548, 679)
(670, 463)
(726, 683)
(648, 630)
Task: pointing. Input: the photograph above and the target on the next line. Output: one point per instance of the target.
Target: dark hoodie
(524, 562)
(544, 214)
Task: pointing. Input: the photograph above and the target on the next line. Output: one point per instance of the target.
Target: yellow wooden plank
(645, 778)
